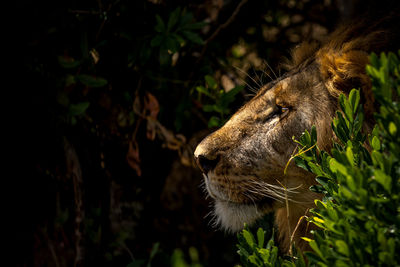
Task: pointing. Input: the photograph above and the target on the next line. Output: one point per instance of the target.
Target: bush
(359, 215)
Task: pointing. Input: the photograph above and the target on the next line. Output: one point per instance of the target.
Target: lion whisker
(266, 63)
(258, 77)
(279, 187)
(252, 200)
(263, 188)
(269, 193)
(248, 188)
(248, 76)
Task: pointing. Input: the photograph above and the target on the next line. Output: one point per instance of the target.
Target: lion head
(243, 162)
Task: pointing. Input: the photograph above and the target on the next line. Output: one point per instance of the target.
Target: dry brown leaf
(151, 105)
(151, 128)
(137, 107)
(213, 7)
(227, 83)
(152, 108)
(154, 128)
(95, 56)
(186, 156)
(133, 157)
(172, 141)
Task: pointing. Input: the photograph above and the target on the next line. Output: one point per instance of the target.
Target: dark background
(110, 117)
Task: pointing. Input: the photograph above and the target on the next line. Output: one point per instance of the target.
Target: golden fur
(243, 161)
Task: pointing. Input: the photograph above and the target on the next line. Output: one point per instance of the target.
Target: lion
(243, 162)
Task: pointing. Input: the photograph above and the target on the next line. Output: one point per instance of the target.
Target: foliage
(177, 259)
(359, 215)
(174, 34)
(254, 251)
(220, 98)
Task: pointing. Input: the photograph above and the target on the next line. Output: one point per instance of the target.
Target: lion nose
(206, 164)
(205, 161)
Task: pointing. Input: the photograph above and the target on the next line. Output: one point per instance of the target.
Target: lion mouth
(244, 198)
(261, 204)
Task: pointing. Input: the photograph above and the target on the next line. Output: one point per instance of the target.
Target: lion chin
(232, 216)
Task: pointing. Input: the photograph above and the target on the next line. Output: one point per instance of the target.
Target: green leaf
(248, 237)
(172, 44)
(392, 128)
(137, 263)
(178, 38)
(154, 250)
(194, 26)
(314, 258)
(354, 98)
(209, 108)
(345, 105)
(316, 249)
(160, 26)
(214, 122)
(336, 166)
(342, 247)
(350, 155)
(78, 109)
(317, 189)
(253, 259)
(164, 57)
(68, 62)
(186, 19)
(157, 40)
(305, 139)
(374, 61)
(193, 37)
(260, 237)
(203, 90)
(384, 179)
(91, 81)
(377, 159)
(173, 18)
(234, 91)
(376, 144)
(194, 254)
(229, 97)
(211, 82)
(74, 121)
(313, 135)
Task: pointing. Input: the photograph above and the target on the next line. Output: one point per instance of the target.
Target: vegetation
(359, 215)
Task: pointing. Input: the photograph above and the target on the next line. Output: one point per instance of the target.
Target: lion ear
(343, 71)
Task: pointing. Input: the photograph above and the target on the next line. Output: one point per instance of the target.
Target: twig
(125, 247)
(53, 252)
(200, 116)
(141, 115)
(175, 81)
(100, 4)
(86, 12)
(298, 154)
(100, 28)
(295, 229)
(212, 37)
(75, 172)
(222, 26)
(287, 211)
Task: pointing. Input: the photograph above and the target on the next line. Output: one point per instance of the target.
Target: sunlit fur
(253, 147)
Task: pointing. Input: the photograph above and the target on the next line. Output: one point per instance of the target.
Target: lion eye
(283, 111)
(279, 112)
